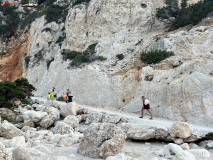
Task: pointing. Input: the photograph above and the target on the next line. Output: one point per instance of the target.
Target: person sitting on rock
(145, 106)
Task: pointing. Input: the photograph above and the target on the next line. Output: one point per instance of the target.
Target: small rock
(185, 146)
(193, 146)
(55, 104)
(210, 145)
(120, 156)
(178, 141)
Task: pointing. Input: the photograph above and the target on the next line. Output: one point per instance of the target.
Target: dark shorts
(146, 106)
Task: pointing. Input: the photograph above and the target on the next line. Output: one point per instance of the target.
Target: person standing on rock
(145, 106)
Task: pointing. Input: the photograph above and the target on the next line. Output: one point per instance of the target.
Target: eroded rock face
(181, 130)
(3, 153)
(101, 141)
(62, 128)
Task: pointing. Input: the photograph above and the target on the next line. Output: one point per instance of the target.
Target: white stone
(62, 128)
(200, 153)
(71, 120)
(120, 156)
(18, 142)
(69, 109)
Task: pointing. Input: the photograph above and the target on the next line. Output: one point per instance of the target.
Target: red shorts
(146, 106)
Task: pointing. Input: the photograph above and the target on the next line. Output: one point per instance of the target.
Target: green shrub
(77, 2)
(61, 38)
(60, 99)
(86, 56)
(184, 16)
(8, 105)
(25, 86)
(11, 120)
(38, 56)
(20, 89)
(25, 101)
(49, 62)
(155, 56)
(120, 56)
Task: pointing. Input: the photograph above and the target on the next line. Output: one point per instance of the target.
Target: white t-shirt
(146, 101)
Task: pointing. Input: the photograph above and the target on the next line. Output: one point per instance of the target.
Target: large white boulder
(18, 142)
(21, 154)
(62, 128)
(72, 120)
(51, 118)
(200, 153)
(102, 140)
(69, 109)
(33, 116)
(69, 141)
(181, 130)
(139, 132)
(8, 130)
(3, 153)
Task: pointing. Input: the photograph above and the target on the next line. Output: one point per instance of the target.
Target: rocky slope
(179, 88)
(96, 133)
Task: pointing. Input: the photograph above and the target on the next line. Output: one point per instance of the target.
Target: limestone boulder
(8, 130)
(50, 118)
(21, 154)
(55, 104)
(181, 130)
(200, 153)
(72, 120)
(120, 156)
(210, 145)
(69, 141)
(3, 153)
(102, 140)
(139, 132)
(69, 109)
(18, 142)
(173, 151)
(33, 116)
(62, 128)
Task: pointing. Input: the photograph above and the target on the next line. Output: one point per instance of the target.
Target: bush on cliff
(186, 15)
(155, 56)
(86, 56)
(20, 89)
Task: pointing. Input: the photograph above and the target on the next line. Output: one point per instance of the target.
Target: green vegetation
(60, 99)
(77, 2)
(13, 21)
(180, 17)
(155, 56)
(120, 56)
(61, 39)
(49, 62)
(86, 56)
(11, 120)
(38, 56)
(18, 89)
(25, 101)
(27, 61)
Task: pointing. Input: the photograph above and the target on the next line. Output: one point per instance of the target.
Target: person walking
(146, 106)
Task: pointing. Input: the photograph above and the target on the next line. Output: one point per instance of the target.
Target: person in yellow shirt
(48, 97)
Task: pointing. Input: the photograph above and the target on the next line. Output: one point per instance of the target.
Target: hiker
(145, 106)
(55, 93)
(48, 97)
(69, 96)
(51, 95)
